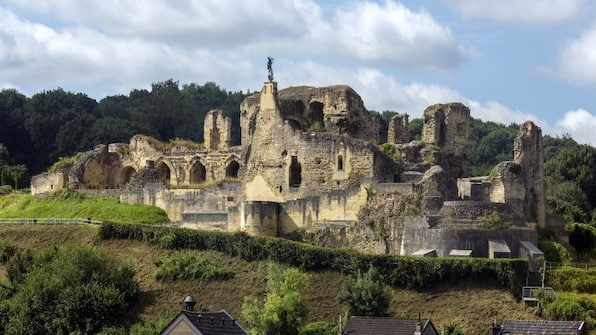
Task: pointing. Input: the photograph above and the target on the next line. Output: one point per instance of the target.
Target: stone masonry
(398, 129)
(309, 158)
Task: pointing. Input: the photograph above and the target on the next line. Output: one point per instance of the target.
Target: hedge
(398, 271)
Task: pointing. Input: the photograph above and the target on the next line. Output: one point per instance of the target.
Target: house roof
(207, 323)
(541, 327)
(362, 325)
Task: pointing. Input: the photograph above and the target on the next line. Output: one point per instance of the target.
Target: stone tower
(447, 126)
(217, 130)
(529, 154)
(398, 129)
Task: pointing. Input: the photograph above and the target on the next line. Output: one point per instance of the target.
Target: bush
(555, 252)
(319, 328)
(573, 280)
(187, 266)
(581, 236)
(70, 291)
(404, 271)
(572, 308)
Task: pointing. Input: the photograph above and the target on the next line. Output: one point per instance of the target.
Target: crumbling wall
(398, 129)
(529, 154)
(47, 182)
(217, 130)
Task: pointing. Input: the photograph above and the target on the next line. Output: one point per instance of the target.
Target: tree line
(36, 131)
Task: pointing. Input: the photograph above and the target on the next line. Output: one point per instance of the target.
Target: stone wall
(217, 130)
(47, 182)
(529, 153)
(447, 126)
(417, 235)
(398, 129)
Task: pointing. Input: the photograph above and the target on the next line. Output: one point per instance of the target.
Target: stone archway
(164, 171)
(198, 173)
(232, 169)
(125, 175)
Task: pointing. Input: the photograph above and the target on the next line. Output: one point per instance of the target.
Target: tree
(69, 291)
(284, 309)
(366, 295)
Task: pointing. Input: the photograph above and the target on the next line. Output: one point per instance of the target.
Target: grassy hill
(67, 203)
(472, 305)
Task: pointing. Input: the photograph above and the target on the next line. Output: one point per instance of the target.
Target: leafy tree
(415, 129)
(366, 295)
(575, 162)
(284, 309)
(561, 195)
(69, 291)
(58, 124)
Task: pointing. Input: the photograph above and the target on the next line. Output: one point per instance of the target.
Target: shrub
(573, 280)
(404, 271)
(187, 266)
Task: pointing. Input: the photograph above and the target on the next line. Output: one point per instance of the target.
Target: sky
(508, 60)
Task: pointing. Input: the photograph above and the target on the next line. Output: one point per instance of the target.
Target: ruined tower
(398, 129)
(217, 130)
(529, 154)
(447, 126)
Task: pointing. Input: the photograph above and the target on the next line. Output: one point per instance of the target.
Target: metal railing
(553, 265)
(49, 221)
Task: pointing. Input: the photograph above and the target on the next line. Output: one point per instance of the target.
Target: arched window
(164, 171)
(340, 163)
(126, 174)
(197, 173)
(295, 173)
(232, 170)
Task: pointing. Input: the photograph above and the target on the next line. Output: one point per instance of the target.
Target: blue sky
(508, 60)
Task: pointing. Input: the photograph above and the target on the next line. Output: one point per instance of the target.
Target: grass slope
(70, 204)
(472, 305)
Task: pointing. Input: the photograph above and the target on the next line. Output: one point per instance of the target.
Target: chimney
(418, 330)
(189, 303)
(494, 329)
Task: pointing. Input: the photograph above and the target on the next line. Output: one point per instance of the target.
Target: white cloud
(580, 124)
(394, 35)
(516, 11)
(577, 60)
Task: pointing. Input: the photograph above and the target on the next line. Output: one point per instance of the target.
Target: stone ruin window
(295, 173)
(232, 170)
(164, 171)
(197, 173)
(340, 163)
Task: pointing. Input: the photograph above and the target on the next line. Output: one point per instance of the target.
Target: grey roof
(364, 325)
(541, 327)
(209, 323)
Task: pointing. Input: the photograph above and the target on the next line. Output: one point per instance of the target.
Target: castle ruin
(309, 162)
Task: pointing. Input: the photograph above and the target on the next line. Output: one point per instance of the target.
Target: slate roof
(364, 325)
(210, 323)
(541, 327)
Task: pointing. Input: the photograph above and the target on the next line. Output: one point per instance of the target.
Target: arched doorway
(126, 174)
(164, 171)
(197, 173)
(232, 170)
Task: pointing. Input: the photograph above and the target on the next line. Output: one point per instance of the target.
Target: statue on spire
(270, 68)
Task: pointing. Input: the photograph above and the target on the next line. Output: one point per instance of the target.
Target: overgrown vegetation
(398, 271)
(65, 162)
(187, 266)
(284, 309)
(366, 294)
(68, 203)
(76, 290)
